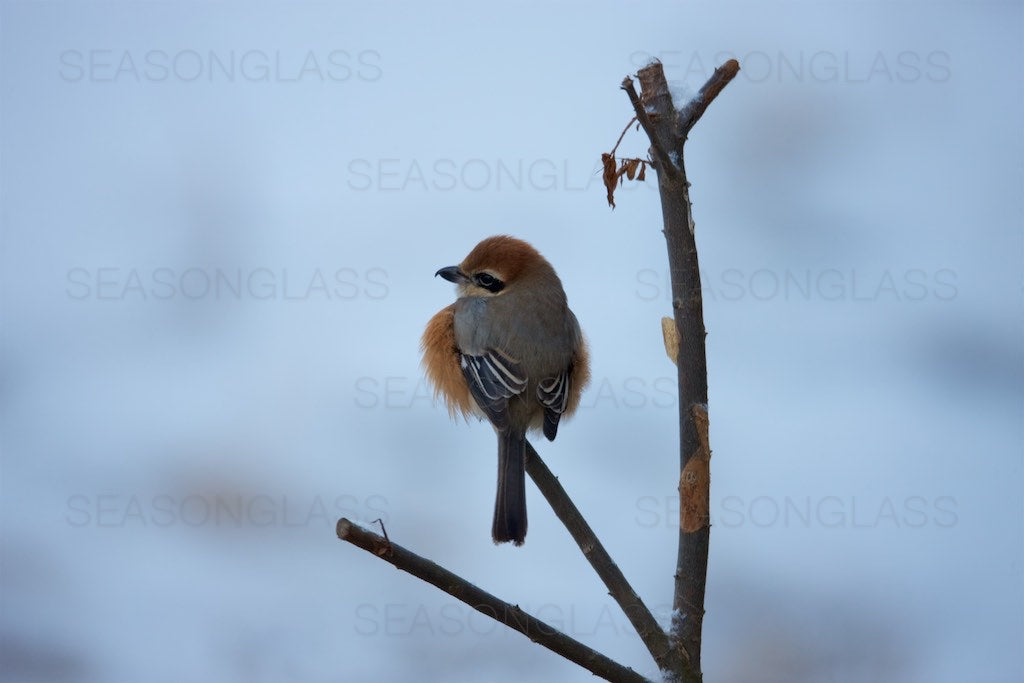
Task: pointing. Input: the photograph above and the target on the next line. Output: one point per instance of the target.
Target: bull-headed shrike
(509, 349)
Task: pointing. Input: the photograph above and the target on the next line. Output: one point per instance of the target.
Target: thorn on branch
(386, 548)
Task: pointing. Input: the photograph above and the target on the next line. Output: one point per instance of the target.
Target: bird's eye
(488, 282)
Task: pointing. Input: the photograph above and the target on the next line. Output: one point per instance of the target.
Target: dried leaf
(643, 171)
(671, 336)
(609, 176)
(630, 166)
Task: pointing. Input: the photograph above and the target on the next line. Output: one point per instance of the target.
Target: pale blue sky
(220, 228)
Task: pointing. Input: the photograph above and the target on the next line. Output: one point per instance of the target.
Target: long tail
(510, 504)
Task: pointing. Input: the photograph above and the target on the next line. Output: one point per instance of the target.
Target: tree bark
(667, 129)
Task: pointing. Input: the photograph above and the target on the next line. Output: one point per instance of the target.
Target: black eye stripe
(488, 282)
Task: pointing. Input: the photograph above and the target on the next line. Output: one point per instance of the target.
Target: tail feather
(510, 503)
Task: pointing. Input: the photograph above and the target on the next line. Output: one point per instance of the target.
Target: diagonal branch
(664, 160)
(485, 603)
(622, 135)
(654, 637)
(695, 108)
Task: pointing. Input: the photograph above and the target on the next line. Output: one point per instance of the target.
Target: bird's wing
(553, 394)
(493, 378)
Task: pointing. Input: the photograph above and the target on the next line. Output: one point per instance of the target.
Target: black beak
(452, 274)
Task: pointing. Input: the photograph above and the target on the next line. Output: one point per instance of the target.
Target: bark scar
(695, 479)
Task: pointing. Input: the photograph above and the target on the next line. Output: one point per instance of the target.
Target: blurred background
(220, 228)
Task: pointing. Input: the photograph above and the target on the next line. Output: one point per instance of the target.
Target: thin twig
(485, 603)
(384, 531)
(624, 131)
(664, 160)
(656, 640)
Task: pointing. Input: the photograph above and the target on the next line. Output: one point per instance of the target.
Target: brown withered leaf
(609, 176)
(643, 171)
(630, 166)
(671, 336)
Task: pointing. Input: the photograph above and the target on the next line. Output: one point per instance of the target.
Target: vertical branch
(667, 129)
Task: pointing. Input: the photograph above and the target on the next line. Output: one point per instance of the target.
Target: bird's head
(494, 265)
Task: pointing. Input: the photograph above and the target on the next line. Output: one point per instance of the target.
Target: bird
(508, 350)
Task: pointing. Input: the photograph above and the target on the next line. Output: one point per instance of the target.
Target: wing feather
(493, 378)
(553, 394)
